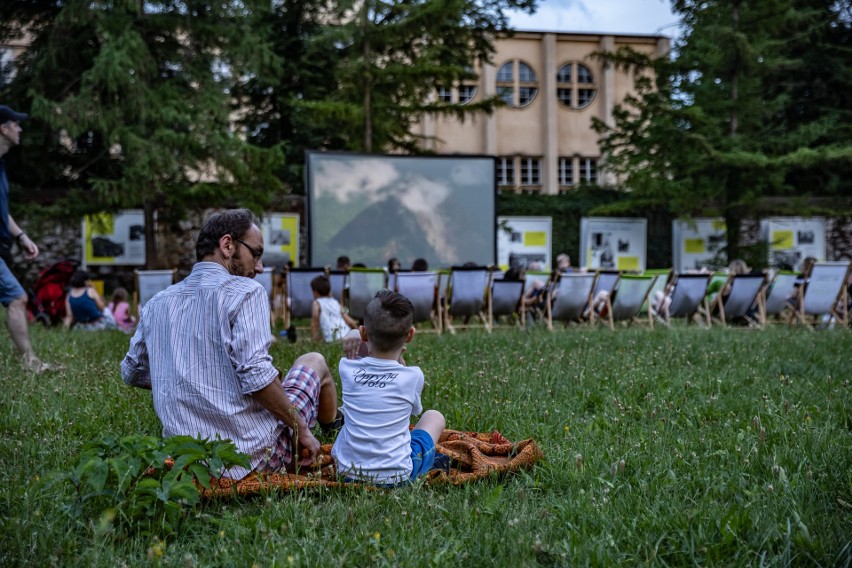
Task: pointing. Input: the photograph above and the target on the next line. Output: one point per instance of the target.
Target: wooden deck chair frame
(149, 283)
(506, 298)
(824, 294)
(688, 294)
(465, 295)
(568, 297)
(625, 304)
(422, 289)
(746, 291)
(777, 297)
(363, 285)
(300, 296)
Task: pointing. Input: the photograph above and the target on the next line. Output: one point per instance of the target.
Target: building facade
(552, 87)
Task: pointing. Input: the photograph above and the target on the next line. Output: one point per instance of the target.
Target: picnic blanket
(473, 455)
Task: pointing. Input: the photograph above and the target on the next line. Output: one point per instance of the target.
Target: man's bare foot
(36, 365)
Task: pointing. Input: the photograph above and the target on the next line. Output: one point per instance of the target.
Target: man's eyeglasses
(254, 252)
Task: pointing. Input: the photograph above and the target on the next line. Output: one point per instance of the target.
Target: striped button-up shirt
(202, 347)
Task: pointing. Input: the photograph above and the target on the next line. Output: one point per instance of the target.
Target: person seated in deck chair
(329, 322)
(380, 394)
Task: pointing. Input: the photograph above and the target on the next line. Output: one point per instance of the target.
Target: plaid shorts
(302, 387)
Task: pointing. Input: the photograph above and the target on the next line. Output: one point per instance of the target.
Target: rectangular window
(445, 95)
(505, 171)
(566, 171)
(589, 170)
(530, 171)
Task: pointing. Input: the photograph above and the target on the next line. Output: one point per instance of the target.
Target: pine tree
(134, 103)
(731, 118)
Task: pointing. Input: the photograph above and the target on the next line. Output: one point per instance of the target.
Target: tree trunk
(151, 260)
(368, 82)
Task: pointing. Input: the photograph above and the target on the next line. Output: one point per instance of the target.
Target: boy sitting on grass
(329, 322)
(379, 396)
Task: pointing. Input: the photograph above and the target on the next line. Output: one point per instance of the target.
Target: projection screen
(375, 207)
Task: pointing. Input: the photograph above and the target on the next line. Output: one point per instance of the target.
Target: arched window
(575, 86)
(462, 92)
(517, 83)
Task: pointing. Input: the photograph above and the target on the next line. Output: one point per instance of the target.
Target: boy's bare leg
(432, 422)
(327, 410)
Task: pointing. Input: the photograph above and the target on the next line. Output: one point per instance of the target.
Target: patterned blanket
(473, 455)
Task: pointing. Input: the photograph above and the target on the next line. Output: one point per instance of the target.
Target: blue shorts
(10, 289)
(422, 459)
(422, 453)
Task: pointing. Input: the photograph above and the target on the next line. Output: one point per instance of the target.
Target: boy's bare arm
(316, 334)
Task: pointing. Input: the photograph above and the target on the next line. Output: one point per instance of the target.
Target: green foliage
(128, 479)
(131, 106)
(746, 108)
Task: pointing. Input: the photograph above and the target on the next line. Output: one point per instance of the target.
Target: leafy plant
(146, 481)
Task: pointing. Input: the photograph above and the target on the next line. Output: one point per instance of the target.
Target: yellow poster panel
(535, 239)
(98, 224)
(782, 240)
(291, 225)
(719, 226)
(627, 263)
(694, 246)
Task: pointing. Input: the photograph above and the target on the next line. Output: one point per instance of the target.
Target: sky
(616, 16)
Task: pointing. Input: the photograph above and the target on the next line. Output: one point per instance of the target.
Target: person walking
(12, 294)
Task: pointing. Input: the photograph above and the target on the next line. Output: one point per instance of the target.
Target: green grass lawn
(673, 447)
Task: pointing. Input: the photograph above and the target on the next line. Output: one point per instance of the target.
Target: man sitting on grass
(202, 346)
(379, 396)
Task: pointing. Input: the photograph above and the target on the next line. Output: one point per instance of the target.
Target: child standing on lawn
(380, 393)
(329, 322)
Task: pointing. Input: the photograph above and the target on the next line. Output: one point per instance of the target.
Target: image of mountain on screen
(385, 221)
(101, 246)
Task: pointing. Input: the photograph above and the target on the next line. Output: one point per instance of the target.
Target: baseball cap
(7, 114)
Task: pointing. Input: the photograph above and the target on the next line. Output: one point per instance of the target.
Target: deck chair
(266, 280)
(149, 283)
(824, 294)
(688, 294)
(465, 295)
(363, 285)
(626, 302)
(746, 292)
(606, 281)
(506, 299)
(664, 276)
(568, 298)
(778, 294)
(422, 289)
(300, 297)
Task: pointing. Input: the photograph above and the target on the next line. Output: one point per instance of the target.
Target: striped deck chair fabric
(629, 297)
(744, 300)
(465, 295)
(779, 292)
(363, 285)
(689, 298)
(824, 294)
(421, 288)
(568, 298)
(506, 300)
(300, 297)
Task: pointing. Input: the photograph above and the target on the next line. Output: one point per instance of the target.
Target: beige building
(552, 87)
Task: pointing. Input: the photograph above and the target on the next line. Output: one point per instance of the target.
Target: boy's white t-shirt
(332, 325)
(379, 397)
